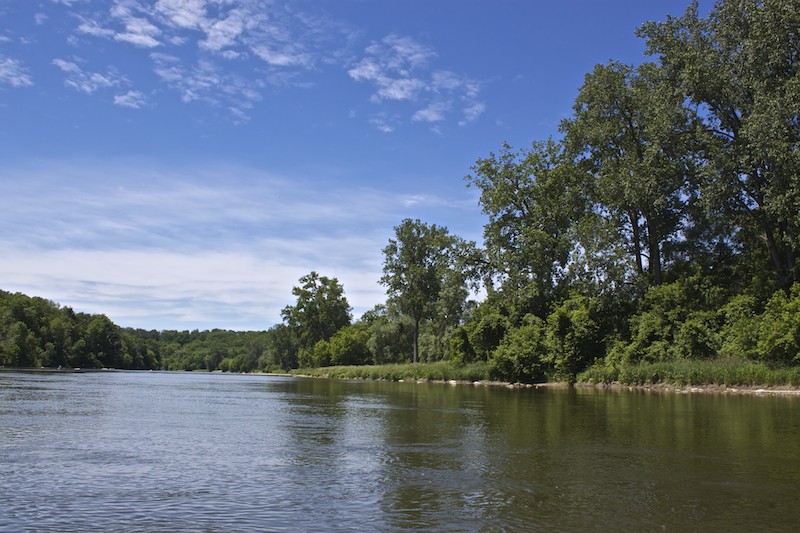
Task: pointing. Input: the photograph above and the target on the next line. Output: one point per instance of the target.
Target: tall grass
(730, 372)
(440, 371)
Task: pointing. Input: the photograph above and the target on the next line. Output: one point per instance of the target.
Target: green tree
(740, 65)
(321, 310)
(632, 132)
(104, 344)
(422, 272)
(390, 334)
(532, 204)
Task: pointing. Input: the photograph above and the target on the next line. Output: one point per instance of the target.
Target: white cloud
(209, 83)
(435, 112)
(139, 31)
(399, 68)
(93, 28)
(132, 99)
(84, 81)
(282, 58)
(189, 14)
(472, 111)
(224, 32)
(13, 73)
(390, 66)
(193, 247)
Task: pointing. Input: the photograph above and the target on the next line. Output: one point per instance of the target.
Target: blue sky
(179, 164)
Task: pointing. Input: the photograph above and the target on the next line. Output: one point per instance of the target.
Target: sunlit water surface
(120, 451)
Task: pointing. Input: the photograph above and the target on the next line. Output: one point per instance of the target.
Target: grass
(440, 371)
(729, 372)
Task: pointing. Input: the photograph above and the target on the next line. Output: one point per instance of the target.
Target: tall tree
(632, 132)
(741, 66)
(419, 270)
(321, 310)
(532, 205)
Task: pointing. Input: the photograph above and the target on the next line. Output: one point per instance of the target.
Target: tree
(321, 310)
(741, 67)
(421, 270)
(632, 132)
(532, 205)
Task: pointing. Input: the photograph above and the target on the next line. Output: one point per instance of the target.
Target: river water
(126, 451)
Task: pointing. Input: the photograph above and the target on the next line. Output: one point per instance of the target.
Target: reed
(439, 371)
(729, 371)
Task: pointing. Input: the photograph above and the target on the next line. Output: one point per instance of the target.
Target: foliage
(37, 332)
(531, 199)
(631, 132)
(422, 275)
(779, 328)
(522, 354)
(321, 310)
(390, 336)
(676, 321)
(573, 337)
(740, 67)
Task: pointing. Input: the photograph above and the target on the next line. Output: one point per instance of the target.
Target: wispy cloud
(209, 83)
(192, 247)
(137, 29)
(228, 52)
(131, 99)
(13, 73)
(391, 65)
(85, 81)
(399, 68)
(271, 42)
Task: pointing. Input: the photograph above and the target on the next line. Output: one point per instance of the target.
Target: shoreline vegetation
(716, 376)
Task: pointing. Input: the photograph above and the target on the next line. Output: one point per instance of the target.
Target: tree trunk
(416, 340)
(775, 255)
(654, 261)
(637, 246)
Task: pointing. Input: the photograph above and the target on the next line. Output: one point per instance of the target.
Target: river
(152, 451)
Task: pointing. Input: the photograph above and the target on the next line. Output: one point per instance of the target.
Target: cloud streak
(84, 81)
(13, 73)
(398, 67)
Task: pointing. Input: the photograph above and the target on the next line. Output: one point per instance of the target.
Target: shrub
(521, 356)
(573, 337)
(779, 329)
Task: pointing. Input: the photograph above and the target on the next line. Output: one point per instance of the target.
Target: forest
(661, 226)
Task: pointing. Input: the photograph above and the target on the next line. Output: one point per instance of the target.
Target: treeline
(663, 225)
(35, 332)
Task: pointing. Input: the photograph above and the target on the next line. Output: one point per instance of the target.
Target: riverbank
(728, 376)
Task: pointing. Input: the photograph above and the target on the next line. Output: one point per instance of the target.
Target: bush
(521, 356)
(740, 329)
(349, 346)
(461, 351)
(779, 329)
(573, 337)
(677, 321)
